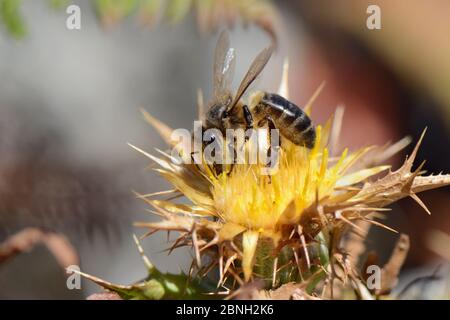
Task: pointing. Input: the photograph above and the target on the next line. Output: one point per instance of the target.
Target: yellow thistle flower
(246, 219)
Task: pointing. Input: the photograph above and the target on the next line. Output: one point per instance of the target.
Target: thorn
(274, 272)
(236, 277)
(150, 267)
(148, 195)
(412, 157)
(228, 263)
(305, 249)
(311, 100)
(176, 244)
(407, 188)
(420, 202)
(354, 225)
(283, 90)
(190, 272)
(292, 233)
(195, 245)
(220, 271)
(379, 224)
(148, 234)
(164, 164)
(297, 261)
(336, 129)
(419, 168)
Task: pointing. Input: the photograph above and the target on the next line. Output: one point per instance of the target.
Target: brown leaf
(355, 244)
(290, 291)
(26, 239)
(391, 270)
(104, 296)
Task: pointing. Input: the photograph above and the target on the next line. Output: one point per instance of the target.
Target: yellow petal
(179, 208)
(351, 159)
(229, 231)
(249, 242)
(326, 132)
(193, 188)
(289, 213)
(163, 163)
(359, 176)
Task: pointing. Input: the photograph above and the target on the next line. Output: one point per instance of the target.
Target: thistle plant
(297, 233)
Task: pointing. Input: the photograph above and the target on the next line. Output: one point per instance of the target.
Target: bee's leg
(234, 156)
(194, 162)
(225, 119)
(271, 126)
(248, 118)
(229, 144)
(215, 166)
(192, 156)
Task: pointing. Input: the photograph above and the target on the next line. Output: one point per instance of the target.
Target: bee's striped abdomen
(292, 121)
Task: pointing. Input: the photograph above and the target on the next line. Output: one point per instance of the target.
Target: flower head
(249, 222)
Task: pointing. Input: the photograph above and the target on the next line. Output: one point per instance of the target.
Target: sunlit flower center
(255, 201)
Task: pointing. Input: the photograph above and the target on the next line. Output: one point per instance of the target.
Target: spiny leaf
(157, 285)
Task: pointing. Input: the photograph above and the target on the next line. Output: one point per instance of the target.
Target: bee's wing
(255, 69)
(224, 63)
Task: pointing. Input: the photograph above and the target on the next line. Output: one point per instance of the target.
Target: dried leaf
(26, 239)
(391, 270)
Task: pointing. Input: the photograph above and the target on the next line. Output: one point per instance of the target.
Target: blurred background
(70, 99)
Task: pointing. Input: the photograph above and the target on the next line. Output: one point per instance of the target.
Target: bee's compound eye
(216, 113)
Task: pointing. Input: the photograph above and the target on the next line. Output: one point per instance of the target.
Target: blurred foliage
(178, 9)
(11, 18)
(209, 14)
(58, 4)
(111, 11)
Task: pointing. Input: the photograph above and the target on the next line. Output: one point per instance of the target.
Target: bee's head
(215, 115)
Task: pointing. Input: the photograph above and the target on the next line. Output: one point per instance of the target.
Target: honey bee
(228, 112)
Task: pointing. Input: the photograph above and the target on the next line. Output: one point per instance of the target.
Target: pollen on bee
(238, 146)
